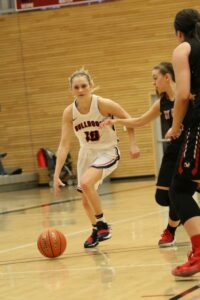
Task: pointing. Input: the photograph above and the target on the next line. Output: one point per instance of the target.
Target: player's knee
(162, 197)
(179, 188)
(182, 186)
(180, 193)
(85, 184)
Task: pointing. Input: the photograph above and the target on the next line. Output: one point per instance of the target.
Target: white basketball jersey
(86, 128)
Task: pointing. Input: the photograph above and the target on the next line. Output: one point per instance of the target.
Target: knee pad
(180, 194)
(180, 189)
(183, 186)
(162, 197)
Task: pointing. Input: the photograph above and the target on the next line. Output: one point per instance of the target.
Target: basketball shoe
(103, 231)
(189, 268)
(166, 239)
(92, 240)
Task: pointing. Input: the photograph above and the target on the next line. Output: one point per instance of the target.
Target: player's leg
(166, 171)
(105, 163)
(92, 240)
(88, 184)
(83, 163)
(181, 192)
(167, 238)
(88, 209)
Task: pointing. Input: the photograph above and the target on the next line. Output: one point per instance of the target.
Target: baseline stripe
(184, 293)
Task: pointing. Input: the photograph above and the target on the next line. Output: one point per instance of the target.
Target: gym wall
(118, 42)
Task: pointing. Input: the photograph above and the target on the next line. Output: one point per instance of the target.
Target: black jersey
(173, 147)
(166, 110)
(194, 62)
(189, 159)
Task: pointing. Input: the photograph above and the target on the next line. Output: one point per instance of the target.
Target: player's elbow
(124, 115)
(183, 96)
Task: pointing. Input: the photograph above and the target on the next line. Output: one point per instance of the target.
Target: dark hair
(166, 68)
(188, 22)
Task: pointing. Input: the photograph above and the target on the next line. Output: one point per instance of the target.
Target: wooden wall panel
(119, 42)
(15, 131)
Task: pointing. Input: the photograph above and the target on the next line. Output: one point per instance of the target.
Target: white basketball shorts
(106, 159)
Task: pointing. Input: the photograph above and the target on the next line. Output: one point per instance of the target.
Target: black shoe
(92, 240)
(103, 231)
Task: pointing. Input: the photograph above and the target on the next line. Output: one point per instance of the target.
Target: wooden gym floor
(128, 266)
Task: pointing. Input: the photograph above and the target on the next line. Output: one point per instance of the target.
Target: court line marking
(186, 292)
(182, 294)
(59, 202)
(86, 230)
(159, 295)
(85, 253)
(70, 199)
(83, 231)
(88, 268)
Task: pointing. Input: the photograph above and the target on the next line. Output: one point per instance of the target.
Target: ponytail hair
(165, 68)
(188, 22)
(197, 30)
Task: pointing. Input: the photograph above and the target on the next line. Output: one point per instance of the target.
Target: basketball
(51, 243)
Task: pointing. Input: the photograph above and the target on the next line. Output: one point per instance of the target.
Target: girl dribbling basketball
(98, 155)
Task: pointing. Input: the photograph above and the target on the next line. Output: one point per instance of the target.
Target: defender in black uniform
(186, 62)
(164, 82)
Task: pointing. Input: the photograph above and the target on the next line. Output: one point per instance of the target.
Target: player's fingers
(135, 155)
(60, 183)
(57, 192)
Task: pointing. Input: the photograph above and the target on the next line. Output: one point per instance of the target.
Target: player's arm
(63, 149)
(146, 118)
(110, 108)
(182, 96)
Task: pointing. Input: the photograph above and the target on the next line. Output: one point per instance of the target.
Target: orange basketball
(51, 243)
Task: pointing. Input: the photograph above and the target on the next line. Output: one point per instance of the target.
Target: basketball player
(98, 155)
(164, 82)
(186, 62)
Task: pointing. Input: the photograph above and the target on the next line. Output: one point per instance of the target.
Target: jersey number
(92, 135)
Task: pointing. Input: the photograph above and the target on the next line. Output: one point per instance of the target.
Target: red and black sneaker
(92, 240)
(103, 231)
(166, 239)
(191, 267)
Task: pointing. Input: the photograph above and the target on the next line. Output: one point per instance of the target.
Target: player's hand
(57, 183)
(134, 151)
(174, 134)
(107, 122)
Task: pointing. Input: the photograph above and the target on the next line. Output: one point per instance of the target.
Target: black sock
(171, 229)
